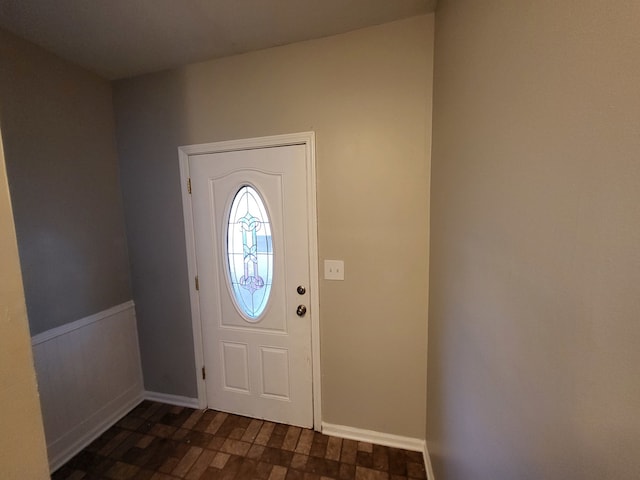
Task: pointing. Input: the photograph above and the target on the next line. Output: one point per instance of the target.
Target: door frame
(307, 139)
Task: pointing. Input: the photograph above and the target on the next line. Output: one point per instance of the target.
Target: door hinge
(204, 374)
(197, 283)
(189, 185)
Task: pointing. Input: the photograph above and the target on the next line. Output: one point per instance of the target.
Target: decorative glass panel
(250, 252)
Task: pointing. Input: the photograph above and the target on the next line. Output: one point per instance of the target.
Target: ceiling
(123, 38)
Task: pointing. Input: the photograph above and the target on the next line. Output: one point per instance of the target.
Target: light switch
(334, 270)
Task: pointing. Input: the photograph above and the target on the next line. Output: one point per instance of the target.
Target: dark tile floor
(160, 442)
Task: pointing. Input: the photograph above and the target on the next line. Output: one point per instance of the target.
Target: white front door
(252, 258)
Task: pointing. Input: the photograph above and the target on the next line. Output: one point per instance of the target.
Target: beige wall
(534, 327)
(22, 447)
(367, 95)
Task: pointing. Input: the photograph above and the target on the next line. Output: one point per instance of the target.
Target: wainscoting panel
(89, 376)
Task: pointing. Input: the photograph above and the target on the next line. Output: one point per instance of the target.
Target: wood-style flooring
(162, 442)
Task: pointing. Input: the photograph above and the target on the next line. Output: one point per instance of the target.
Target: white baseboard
(177, 400)
(379, 438)
(427, 463)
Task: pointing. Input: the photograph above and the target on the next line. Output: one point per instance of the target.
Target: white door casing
(267, 368)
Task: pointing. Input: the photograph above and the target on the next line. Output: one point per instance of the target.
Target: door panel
(235, 366)
(275, 381)
(260, 367)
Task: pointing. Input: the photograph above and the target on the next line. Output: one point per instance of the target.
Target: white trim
(379, 438)
(303, 138)
(170, 399)
(83, 322)
(427, 463)
(300, 138)
(314, 287)
(80, 440)
(196, 324)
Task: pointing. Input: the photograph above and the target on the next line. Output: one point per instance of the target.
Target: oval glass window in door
(249, 252)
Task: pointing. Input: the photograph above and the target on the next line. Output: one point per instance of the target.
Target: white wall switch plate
(334, 270)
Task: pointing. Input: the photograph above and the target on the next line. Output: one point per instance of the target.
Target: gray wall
(58, 133)
(367, 95)
(534, 327)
